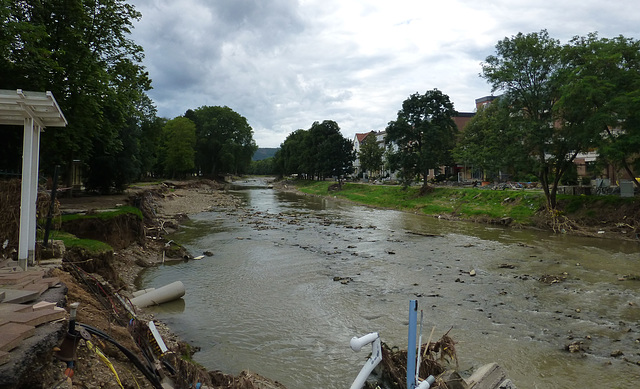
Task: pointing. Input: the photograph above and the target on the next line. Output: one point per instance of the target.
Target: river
(268, 299)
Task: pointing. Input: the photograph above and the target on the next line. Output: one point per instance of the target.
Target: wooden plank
(26, 281)
(42, 305)
(1, 296)
(18, 296)
(17, 277)
(38, 287)
(35, 318)
(11, 334)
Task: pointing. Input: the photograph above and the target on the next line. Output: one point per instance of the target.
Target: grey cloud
(284, 64)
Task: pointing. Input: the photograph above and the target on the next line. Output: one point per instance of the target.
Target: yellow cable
(133, 376)
(104, 359)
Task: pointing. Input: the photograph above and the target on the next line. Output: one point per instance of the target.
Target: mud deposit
(292, 278)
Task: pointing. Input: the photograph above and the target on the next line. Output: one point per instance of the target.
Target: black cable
(149, 373)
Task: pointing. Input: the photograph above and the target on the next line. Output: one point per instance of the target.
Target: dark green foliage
(370, 154)
(490, 143)
(292, 157)
(80, 51)
(601, 93)
(527, 69)
(332, 154)
(178, 140)
(224, 141)
(424, 134)
(566, 100)
(263, 167)
(264, 153)
(317, 153)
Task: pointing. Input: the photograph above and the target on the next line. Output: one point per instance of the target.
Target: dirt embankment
(95, 281)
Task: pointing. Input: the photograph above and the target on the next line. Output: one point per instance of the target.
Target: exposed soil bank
(138, 244)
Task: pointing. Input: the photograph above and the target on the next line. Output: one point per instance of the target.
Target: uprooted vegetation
(436, 359)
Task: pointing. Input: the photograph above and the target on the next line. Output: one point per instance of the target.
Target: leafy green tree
(527, 68)
(601, 93)
(331, 153)
(291, 157)
(319, 152)
(263, 167)
(179, 140)
(224, 140)
(423, 134)
(370, 154)
(150, 146)
(79, 50)
(490, 143)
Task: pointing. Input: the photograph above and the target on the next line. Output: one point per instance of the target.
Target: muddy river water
(294, 277)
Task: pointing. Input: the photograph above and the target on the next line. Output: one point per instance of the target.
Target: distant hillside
(264, 153)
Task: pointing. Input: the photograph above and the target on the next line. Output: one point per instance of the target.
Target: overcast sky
(284, 64)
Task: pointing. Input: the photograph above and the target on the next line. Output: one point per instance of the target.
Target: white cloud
(284, 64)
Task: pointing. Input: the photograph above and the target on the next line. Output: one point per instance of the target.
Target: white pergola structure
(35, 111)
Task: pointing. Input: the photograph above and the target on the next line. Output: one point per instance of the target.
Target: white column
(33, 219)
(25, 198)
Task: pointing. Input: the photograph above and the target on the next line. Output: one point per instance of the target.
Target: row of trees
(81, 51)
(316, 153)
(208, 141)
(556, 102)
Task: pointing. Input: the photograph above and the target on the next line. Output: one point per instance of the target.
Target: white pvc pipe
(372, 362)
(357, 343)
(167, 293)
(426, 384)
(142, 291)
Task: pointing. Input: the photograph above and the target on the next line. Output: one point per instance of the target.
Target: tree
(490, 144)
(179, 140)
(319, 152)
(424, 134)
(224, 141)
(80, 51)
(150, 146)
(263, 167)
(370, 154)
(291, 157)
(331, 154)
(527, 69)
(601, 92)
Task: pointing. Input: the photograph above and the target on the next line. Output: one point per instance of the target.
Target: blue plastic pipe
(411, 348)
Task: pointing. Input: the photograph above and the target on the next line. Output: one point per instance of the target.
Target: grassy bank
(521, 206)
(71, 241)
